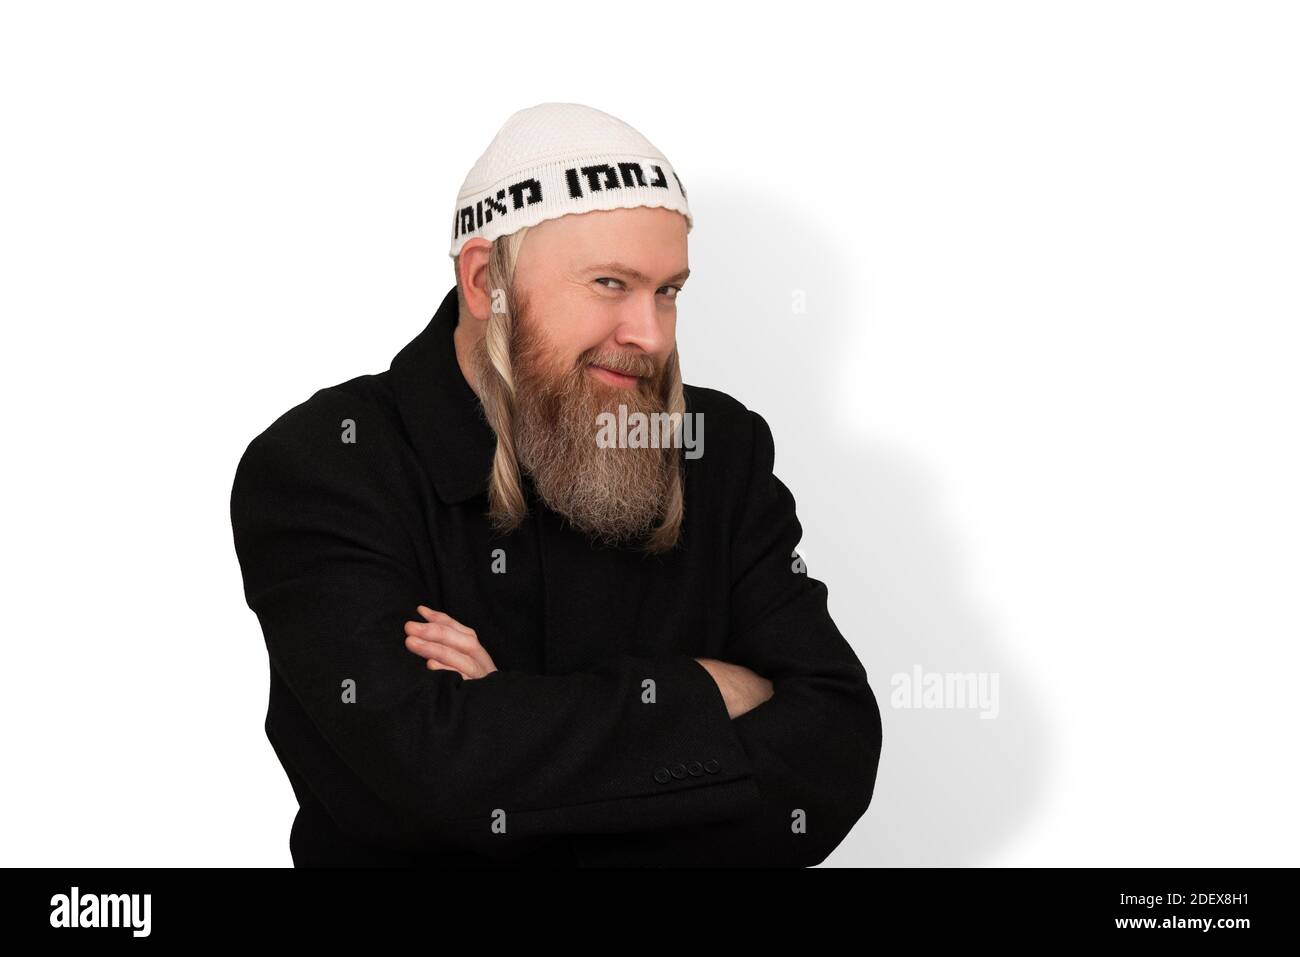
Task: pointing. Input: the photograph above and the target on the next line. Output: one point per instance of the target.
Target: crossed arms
(445, 643)
(790, 718)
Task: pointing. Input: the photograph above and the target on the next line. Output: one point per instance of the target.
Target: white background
(1039, 413)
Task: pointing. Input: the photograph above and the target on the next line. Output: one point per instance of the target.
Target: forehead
(651, 240)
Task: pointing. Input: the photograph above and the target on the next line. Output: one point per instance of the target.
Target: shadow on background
(953, 788)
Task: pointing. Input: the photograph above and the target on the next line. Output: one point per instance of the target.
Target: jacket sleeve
(814, 746)
(330, 573)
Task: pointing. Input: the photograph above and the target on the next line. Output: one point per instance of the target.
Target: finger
(435, 631)
(443, 618)
(424, 647)
(437, 651)
(467, 645)
(440, 653)
(420, 647)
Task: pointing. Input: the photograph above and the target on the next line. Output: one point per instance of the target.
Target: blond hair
(496, 388)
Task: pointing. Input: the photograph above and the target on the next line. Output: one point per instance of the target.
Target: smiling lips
(613, 378)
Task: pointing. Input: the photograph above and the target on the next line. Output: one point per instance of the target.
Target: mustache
(627, 364)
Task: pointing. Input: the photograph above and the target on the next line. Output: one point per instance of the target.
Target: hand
(742, 689)
(447, 645)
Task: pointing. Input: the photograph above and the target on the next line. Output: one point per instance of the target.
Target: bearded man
(497, 641)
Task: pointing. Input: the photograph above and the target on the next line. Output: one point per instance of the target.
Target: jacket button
(711, 765)
(662, 775)
(694, 769)
(679, 771)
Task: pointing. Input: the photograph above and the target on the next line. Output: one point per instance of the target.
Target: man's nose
(645, 324)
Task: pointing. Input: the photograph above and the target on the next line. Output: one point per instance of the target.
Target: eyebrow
(636, 274)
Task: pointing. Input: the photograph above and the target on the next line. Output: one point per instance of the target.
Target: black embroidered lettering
(632, 175)
(571, 177)
(593, 174)
(496, 204)
(534, 192)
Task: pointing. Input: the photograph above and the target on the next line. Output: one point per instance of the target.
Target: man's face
(591, 313)
(591, 335)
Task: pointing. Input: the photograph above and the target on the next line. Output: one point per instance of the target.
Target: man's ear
(472, 280)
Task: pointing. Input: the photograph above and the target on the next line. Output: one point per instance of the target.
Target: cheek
(564, 338)
(592, 338)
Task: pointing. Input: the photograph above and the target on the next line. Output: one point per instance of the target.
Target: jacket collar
(442, 415)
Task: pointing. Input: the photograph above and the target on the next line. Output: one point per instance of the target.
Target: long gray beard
(613, 495)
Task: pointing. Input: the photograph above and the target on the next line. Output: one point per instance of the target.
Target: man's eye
(675, 289)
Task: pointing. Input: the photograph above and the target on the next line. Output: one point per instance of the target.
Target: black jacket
(559, 757)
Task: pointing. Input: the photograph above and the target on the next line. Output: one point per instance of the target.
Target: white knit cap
(559, 158)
